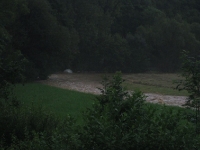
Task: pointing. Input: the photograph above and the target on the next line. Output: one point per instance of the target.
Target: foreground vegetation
(116, 120)
(97, 35)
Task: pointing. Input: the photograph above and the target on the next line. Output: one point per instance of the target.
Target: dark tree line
(99, 35)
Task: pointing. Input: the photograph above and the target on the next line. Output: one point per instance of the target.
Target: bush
(33, 128)
(120, 120)
(191, 82)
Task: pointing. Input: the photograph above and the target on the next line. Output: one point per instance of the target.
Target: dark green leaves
(120, 120)
(191, 73)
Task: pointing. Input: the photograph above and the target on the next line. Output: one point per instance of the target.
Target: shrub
(117, 120)
(33, 128)
(120, 120)
(191, 82)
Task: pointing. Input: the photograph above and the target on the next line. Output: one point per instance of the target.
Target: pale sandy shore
(89, 84)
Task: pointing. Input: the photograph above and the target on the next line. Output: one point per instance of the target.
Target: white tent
(68, 71)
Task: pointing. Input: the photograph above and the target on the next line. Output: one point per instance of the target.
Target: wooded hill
(97, 35)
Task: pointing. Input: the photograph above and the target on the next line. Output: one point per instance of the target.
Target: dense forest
(45, 36)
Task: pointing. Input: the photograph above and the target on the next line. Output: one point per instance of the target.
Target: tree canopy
(99, 35)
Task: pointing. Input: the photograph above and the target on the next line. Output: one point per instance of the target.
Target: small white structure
(68, 71)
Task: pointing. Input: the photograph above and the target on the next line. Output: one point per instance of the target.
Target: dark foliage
(117, 120)
(124, 121)
(191, 82)
(33, 128)
(96, 35)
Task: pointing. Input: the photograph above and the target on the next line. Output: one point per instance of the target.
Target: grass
(59, 101)
(154, 89)
(145, 82)
(63, 102)
(154, 83)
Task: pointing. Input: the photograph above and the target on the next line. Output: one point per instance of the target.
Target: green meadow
(153, 124)
(154, 83)
(59, 101)
(63, 102)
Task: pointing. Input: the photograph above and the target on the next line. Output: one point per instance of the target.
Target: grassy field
(63, 102)
(168, 121)
(154, 83)
(145, 82)
(59, 101)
